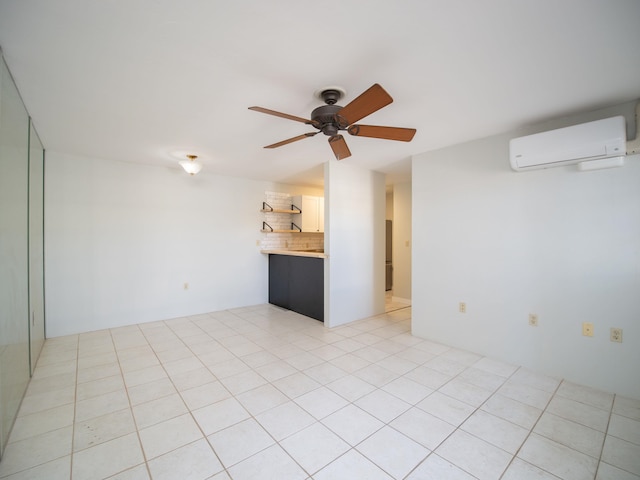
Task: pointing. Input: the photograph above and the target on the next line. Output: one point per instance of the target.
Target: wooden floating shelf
(276, 210)
(280, 231)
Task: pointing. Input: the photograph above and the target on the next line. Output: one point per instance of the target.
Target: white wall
(121, 240)
(560, 243)
(354, 241)
(402, 242)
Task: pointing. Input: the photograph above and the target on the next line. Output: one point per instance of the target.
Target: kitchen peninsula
(296, 281)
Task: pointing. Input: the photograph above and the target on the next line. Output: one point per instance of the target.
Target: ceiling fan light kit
(332, 118)
(191, 166)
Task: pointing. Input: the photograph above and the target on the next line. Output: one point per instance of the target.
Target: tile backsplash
(280, 221)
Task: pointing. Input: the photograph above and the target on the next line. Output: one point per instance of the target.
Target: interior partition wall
(21, 251)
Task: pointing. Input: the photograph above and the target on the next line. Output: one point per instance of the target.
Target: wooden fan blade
(291, 140)
(368, 102)
(282, 115)
(387, 133)
(339, 147)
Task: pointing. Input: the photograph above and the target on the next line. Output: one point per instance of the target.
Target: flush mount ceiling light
(191, 166)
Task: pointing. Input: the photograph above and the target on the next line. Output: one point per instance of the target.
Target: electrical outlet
(533, 319)
(462, 307)
(587, 329)
(186, 286)
(616, 335)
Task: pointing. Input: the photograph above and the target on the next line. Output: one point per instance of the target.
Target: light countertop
(296, 253)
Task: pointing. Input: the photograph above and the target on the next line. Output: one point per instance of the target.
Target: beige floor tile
(376, 375)
(584, 394)
(446, 408)
(495, 366)
(37, 402)
(295, 385)
(609, 472)
(169, 435)
(191, 462)
(220, 415)
(144, 375)
(482, 378)
(349, 363)
(45, 421)
(35, 451)
(624, 428)
(262, 398)
(557, 459)
(526, 394)
(285, 420)
(95, 388)
(276, 370)
(521, 470)
(240, 441)
(352, 465)
(325, 373)
(150, 391)
(270, 464)
(156, 411)
(98, 372)
(397, 365)
(428, 377)
(351, 388)
(107, 458)
(627, 407)
(572, 434)
(139, 472)
(58, 469)
(579, 412)
(465, 392)
(101, 429)
(101, 405)
(192, 378)
(352, 424)
(622, 454)
(536, 380)
(321, 402)
(52, 369)
(422, 427)
(314, 447)
(474, 455)
(435, 467)
(496, 431)
(393, 452)
(382, 405)
(516, 412)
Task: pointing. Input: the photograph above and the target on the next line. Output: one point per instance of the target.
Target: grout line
(606, 434)
(555, 391)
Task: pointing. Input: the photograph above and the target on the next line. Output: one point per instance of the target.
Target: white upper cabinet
(312, 217)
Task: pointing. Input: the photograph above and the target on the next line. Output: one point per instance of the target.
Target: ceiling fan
(332, 118)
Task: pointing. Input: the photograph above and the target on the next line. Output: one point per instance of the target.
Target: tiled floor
(391, 303)
(262, 393)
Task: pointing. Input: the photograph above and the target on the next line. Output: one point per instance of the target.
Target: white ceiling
(136, 80)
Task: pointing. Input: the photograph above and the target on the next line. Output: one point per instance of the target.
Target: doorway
(398, 246)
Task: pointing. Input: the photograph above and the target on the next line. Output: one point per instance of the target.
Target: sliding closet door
(14, 268)
(36, 245)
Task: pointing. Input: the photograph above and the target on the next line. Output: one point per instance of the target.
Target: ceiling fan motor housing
(325, 116)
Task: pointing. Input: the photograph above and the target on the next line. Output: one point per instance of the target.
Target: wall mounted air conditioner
(602, 140)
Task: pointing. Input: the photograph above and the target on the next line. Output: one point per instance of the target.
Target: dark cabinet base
(297, 284)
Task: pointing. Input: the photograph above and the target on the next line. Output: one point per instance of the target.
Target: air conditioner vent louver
(566, 146)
